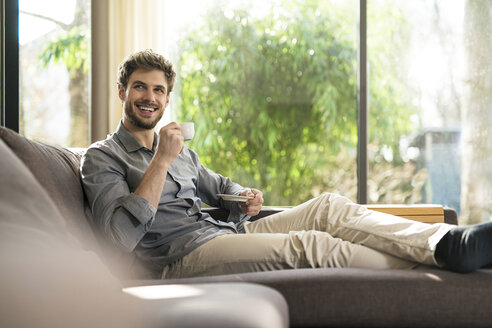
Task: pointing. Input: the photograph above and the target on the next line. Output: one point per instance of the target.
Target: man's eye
(159, 90)
(139, 87)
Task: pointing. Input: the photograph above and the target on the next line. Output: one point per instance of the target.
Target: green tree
(274, 98)
(70, 47)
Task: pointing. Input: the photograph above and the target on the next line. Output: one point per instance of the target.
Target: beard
(136, 121)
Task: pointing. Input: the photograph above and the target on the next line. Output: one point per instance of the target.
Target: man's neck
(144, 136)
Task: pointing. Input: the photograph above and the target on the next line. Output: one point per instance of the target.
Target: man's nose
(149, 95)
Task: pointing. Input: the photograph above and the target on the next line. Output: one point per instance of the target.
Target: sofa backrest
(47, 278)
(57, 170)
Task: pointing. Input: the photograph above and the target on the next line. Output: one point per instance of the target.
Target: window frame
(10, 64)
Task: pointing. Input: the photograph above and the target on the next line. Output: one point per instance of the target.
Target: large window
(272, 86)
(54, 56)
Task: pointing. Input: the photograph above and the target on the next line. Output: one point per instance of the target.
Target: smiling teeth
(147, 109)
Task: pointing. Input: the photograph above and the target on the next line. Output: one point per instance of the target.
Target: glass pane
(54, 38)
(430, 134)
(271, 86)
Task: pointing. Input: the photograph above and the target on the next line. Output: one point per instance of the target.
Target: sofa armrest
(450, 215)
(222, 214)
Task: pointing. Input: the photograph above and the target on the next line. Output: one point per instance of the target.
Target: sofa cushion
(57, 170)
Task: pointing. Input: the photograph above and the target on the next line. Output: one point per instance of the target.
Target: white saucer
(234, 198)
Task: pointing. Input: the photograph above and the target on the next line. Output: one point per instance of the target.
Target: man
(146, 190)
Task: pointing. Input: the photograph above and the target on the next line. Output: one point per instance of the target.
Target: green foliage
(274, 98)
(70, 48)
(391, 106)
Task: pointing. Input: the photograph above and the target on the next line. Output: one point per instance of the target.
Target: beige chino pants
(327, 231)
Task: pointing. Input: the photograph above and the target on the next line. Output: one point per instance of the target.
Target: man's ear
(121, 92)
(168, 97)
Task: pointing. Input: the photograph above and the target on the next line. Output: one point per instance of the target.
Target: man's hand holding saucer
(252, 206)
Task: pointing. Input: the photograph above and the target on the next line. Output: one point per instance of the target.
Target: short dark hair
(146, 60)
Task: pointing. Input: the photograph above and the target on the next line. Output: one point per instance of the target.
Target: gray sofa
(423, 297)
(53, 272)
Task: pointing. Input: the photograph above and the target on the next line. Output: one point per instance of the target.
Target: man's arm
(122, 216)
(210, 184)
(125, 216)
(171, 143)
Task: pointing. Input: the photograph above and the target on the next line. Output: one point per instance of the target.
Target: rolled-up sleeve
(123, 216)
(139, 208)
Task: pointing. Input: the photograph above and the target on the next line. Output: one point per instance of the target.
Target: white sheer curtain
(119, 27)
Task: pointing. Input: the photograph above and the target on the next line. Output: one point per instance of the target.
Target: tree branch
(64, 26)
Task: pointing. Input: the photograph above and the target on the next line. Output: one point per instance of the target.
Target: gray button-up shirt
(113, 168)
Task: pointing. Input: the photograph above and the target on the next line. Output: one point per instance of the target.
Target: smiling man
(146, 191)
(146, 188)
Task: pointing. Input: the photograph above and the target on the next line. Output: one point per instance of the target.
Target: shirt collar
(131, 143)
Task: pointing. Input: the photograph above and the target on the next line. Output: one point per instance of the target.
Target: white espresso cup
(187, 130)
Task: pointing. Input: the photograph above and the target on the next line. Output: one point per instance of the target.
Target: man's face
(144, 99)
